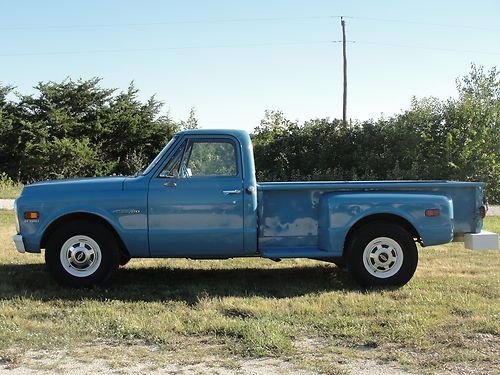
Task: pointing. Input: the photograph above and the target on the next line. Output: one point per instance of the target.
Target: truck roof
(238, 133)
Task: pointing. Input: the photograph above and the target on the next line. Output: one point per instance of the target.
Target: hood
(76, 184)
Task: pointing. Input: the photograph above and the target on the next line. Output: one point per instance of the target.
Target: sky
(232, 60)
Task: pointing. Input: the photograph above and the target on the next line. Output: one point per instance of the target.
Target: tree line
(78, 128)
(451, 139)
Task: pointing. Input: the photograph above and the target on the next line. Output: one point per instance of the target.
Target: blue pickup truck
(199, 199)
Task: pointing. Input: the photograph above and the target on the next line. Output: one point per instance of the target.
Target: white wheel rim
(383, 257)
(80, 256)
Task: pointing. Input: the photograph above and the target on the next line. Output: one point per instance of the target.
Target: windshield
(158, 157)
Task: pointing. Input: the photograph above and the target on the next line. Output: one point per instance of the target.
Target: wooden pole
(344, 103)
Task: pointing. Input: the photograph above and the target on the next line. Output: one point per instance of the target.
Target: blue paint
(338, 212)
(158, 216)
(190, 217)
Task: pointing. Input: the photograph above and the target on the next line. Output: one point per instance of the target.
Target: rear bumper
(18, 241)
(481, 241)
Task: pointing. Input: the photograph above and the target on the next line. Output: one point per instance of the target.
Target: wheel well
(82, 216)
(391, 218)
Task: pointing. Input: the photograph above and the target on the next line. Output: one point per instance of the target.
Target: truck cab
(202, 202)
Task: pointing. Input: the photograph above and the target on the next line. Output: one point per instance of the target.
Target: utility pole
(344, 103)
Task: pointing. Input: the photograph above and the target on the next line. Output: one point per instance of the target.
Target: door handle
(228, 192)
(170, 184)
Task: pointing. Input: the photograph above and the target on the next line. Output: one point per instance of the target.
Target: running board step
(301, 252)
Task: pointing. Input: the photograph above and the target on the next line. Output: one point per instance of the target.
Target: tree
(78, 128)
(191, 122)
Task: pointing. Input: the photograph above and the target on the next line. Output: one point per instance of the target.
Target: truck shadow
(175, 284)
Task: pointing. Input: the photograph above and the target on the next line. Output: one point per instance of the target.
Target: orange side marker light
(432, 212)
(31, 215)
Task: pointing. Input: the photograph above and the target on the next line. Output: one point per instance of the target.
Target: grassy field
(446, 318)
(8, 188)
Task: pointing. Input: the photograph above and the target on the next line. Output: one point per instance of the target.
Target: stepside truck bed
(292, 218)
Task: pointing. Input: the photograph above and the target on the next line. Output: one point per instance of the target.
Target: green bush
(453, 139)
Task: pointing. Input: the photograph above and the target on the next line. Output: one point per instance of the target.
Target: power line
(238, 20)
(249, 45)
(426, 47)
(423, 23)
(187, 22)
(168, 48)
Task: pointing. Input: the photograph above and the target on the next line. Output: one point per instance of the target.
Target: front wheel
(81, 254)
(382, 254)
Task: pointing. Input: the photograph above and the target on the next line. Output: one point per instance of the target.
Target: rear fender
(339, 213)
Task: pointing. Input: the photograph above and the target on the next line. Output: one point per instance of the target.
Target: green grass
(306, 311)
(9, 189)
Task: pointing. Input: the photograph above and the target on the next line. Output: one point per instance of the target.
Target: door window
(203, 157)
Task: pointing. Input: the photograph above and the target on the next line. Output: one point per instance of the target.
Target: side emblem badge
(126, 212)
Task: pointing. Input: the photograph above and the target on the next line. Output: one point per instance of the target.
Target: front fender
(129, 220)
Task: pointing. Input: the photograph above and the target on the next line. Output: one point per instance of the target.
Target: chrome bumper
(18, 241)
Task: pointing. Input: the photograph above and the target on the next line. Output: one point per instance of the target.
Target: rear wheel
(82, 254)
(382, 254)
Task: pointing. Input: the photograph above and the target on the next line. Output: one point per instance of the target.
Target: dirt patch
(60, 362)
(126, 360)
(112, 358)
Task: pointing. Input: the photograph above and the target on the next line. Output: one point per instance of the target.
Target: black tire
(107, 248)
(382, 263)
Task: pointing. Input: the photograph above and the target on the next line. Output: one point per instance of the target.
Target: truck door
(195, 205)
